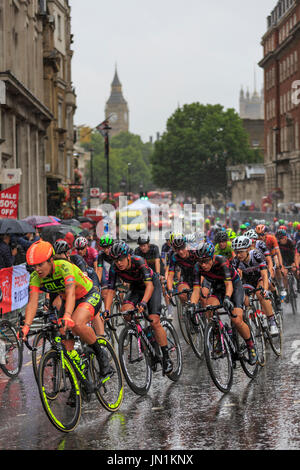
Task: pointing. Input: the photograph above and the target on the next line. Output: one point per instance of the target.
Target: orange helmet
(260, 229)
(39, 252)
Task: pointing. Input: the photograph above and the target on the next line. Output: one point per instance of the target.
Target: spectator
(7, 255)
(27, 240)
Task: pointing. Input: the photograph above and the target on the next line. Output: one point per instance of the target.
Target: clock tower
(117, 106)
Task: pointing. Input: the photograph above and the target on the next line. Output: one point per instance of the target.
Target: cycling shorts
(134, 296)
(237, 297)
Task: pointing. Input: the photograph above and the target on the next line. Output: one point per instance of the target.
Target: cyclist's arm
(108, 300)
(228, 288)
(32, 306)
(157, 265)
(148, 291)
(170, 280)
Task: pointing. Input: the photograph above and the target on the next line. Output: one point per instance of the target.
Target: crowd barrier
(14, 283)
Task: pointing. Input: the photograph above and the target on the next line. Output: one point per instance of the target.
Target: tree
(199, 143)
(124, 148)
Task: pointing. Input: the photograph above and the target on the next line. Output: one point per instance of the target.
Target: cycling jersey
(81, 264)
(262, 247)
(137, 275)
(103, 257)
(251, 268)
(91, 256)
(64, 274)
(287, 251)
(165, 250)
(227, 252)
(220, 272)
(151, 255)
(298, 246)
(272, 243)
(186, 266)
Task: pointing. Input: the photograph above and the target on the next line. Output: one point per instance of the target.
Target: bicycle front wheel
(258, 336)
(134, 361)
(110, 390)
(11, 350)
(59, 391)
(195, 332)
(174, 350)
(292, 294)
(40, 345)
(218, 358)
(181, 314)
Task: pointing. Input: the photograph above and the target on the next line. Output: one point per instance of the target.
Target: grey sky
(168, 52)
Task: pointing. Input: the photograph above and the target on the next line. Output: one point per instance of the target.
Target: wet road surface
(191, 414)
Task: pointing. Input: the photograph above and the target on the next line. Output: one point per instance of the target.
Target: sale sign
(9, 199)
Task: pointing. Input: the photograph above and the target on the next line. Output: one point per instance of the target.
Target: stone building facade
(35, 132)
(281, 55)
(117, 106)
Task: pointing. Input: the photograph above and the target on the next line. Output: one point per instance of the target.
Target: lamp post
(104, 129)
(277, 150)
(129, 177)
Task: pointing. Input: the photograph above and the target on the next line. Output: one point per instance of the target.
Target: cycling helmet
(221, 236)
(241, 243)
(190, 238)
(39, 252)
(282, 227)
(106, 241)
(80, 243)
(251, 234)
(260, 229)
(119, 250)
(231, 234)
(298, 227)
(281, 233)
(143, 239)
(205, 250)
(168, 235)
(178, 240)
(61, 246)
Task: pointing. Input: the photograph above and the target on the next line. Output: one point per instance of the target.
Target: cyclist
(287, 250)
(273, 247)
(89, 254)
(104, 260)
(62, 251)
(225, 288)
(185, 259)
(252, 267)
(223, 245)
(145, 291)
(150, 252)
(80, 300)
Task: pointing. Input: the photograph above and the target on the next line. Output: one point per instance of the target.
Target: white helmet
(241, 243)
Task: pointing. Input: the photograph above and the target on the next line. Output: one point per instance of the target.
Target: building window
(60, 115)
(59, 27)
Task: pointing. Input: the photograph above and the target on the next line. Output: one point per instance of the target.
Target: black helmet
(205, 250)
(61, 246)
(119, 250)
(143, 239)
(221, 236)
(178, 240)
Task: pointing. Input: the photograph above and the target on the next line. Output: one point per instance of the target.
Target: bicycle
(65, 378)
(181, 312)
(254, 315)
(140, 355)
(291, 290)
(113, 327)
(11, 349)
(223, 342)
(258, 316)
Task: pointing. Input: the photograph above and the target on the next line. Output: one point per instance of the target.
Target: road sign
(94, 192)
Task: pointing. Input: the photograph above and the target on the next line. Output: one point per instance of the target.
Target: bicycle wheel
(258, 335)
(195, 333)
(134, 361)
(110, 391)
(59, 391)
(276, 341)
(11, 350)
(182, 320)
(292, 293)
(40, 345)
(250, 370)
(174, 350)
(219, 362)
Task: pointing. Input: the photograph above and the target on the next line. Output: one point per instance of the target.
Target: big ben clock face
(113, 117)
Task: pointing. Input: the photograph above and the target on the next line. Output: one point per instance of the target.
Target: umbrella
(52, 233)
(41, 220)
(15, 226)
(70, 222)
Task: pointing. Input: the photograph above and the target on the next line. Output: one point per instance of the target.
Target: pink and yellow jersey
(64, 274)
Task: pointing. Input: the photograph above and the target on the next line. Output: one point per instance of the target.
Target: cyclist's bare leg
(98, 325)
(81, 316)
